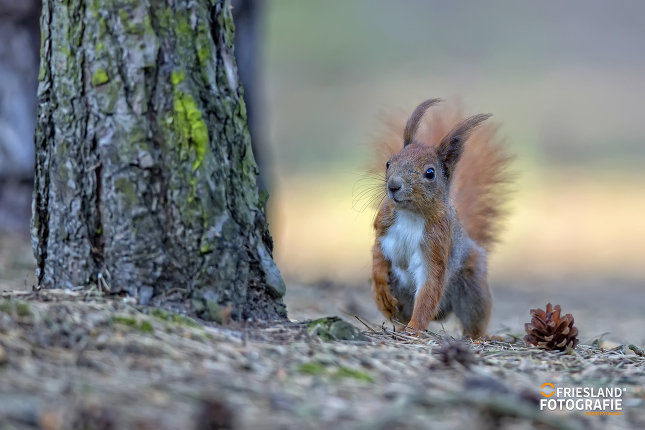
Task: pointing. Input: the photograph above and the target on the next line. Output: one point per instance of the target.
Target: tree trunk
(145, 176)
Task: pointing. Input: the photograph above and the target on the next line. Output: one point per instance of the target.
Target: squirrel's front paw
(410, 331)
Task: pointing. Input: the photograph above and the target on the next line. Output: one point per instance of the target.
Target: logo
(548, 384)
(590, 400)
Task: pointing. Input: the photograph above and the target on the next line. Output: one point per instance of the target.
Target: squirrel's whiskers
(368, 191)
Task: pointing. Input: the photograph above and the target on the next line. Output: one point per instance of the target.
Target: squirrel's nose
(394, 184)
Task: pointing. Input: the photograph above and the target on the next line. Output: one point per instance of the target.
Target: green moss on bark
(188, 122)
(99, 77)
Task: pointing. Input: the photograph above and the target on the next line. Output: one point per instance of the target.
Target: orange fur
(381, 267)
(427, 300)
(381, 290)
(459, 210)
(479, 186)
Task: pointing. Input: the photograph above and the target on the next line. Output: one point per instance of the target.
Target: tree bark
(145, 178)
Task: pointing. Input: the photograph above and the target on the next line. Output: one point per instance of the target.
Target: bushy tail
(480, 182)
(480, 186)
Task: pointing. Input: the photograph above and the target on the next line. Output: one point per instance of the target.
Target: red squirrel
(438, 220)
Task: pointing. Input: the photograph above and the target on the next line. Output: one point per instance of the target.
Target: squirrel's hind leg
(380, 288)
(471, 298)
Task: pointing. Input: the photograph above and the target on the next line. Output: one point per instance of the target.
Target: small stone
(334, 328)
(452, 351)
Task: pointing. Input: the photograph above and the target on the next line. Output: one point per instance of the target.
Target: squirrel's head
(419, 176)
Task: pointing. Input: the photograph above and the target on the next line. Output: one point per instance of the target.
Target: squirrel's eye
(430, 173)
(387, 165)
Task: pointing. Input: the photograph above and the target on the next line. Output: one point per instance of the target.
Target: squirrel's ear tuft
(413, 123)
(452, 145)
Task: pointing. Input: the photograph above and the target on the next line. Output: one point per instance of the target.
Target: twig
(363, 322)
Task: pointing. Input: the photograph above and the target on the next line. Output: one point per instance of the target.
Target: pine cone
(548, 330)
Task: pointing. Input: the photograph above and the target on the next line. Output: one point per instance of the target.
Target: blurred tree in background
(18, 72)
(249, 18)
(145, 179)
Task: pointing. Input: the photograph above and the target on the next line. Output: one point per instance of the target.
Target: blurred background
(566, 80)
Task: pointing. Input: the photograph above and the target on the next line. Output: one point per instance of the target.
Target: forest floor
(73, 359)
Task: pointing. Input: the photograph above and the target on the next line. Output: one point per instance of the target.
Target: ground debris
(69, 359)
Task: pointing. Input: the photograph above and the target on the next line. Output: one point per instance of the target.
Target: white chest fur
(402, 245)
